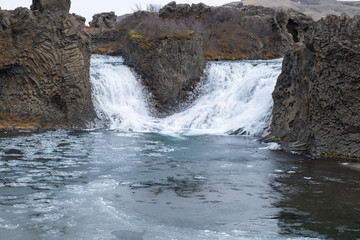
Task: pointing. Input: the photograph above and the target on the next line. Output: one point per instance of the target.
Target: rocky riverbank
(317, 96)
(44, 68)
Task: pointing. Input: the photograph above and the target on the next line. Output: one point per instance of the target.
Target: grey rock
(104, 20)
(317, 96)
(170, 66)
(173, 10)
(52, 5)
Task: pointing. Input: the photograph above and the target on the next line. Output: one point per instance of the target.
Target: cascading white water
(118, 96)
(234, 97)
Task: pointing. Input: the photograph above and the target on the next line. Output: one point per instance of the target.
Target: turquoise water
(127, 185)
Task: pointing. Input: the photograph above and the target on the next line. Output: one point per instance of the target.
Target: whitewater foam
(234, 98)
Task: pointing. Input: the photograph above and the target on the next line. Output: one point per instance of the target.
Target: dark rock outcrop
(170, 66)
(44, 68)
(106, 37)
(173, 10)
(51, 5)
(104, 20)
(317, 96)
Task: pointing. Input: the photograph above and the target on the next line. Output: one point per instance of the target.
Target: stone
(52, 5)
(317, 96)
(104, 20)
(170, 66)
(44, 68)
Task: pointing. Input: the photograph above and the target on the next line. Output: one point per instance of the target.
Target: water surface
(123, 185)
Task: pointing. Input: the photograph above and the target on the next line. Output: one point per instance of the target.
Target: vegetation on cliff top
(229, 32)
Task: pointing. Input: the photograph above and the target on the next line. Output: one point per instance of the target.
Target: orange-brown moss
(89, 29)
(12, 121)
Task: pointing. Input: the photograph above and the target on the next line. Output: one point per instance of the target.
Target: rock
(317, 96)
(107, 41)
(170, 66)
(53, 5)
(173, 10)
(104, 20)
(44, 68)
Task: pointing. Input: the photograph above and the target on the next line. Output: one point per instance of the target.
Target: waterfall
(233, 97)
(118, 97)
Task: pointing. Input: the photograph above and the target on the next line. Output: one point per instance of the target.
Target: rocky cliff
(44, 68)
(317, 96)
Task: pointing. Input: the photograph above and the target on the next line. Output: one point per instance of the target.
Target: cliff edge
(44, 68)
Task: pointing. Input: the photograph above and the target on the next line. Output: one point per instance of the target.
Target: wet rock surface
(317, 95)
(44, 68)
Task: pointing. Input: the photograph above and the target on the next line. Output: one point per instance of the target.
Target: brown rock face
(44, 68)
(317, 96)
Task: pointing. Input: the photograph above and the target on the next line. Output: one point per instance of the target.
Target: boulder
(44, 68)
(317, 96)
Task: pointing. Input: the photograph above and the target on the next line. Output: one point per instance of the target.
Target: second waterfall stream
(233, 97)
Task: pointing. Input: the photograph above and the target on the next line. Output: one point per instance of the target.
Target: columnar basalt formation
(44, 68)
(317, 96)
(170, 66)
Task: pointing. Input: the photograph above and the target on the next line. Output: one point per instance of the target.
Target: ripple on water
(7, 225)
